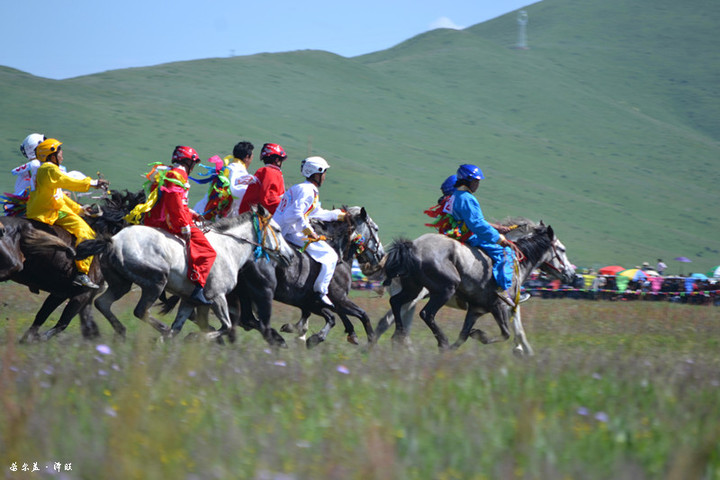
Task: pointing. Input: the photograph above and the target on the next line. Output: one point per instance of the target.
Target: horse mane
(38, 242)
(535, 243)
(114, 209)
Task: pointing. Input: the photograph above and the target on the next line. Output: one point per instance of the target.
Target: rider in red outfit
(268, 186)
(171, 213)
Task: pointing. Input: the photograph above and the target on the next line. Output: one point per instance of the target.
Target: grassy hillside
(608, 127)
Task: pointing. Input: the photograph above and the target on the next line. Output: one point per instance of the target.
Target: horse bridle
(363, 246)
(555, 255)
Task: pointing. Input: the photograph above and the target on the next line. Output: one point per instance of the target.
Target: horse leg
(470, 318)
(500, 312)
(148, 297)
(319, 337)
(220, 308)
(74, 306)
(49, 305)
(522, 346)
(437, 300)
(407, 312)
(88, 327)
(300, 328)
(346, 307)
(397, 303)
(118, 287)
(263, 309)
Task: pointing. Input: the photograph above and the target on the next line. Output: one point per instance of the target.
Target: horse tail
(35, 241)
(167, 303)
(401, 260)
(92, 247)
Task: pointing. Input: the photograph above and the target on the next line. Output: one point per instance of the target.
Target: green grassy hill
(608, 127)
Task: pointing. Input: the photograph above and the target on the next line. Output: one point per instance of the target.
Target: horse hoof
(313, 341)
(287, 328)
(353, 339)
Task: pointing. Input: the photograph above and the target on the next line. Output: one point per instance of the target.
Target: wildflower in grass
(597, 376)
(109, 411)
(602, 417)
(583, 411)
(192, 373)
(280, 363)
(48, 370)
(104, 349)
(343, 369)
(102, 372)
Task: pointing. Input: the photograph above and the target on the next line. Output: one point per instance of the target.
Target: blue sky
(62, 39)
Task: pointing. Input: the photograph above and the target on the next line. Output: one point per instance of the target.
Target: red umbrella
(611, 270)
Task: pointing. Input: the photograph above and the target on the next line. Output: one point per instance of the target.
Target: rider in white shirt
(300, 204)
(25, 173)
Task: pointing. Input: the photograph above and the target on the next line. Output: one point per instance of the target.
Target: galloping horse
(42, 257)
(156, 261)
(459, 276)
(357, 236)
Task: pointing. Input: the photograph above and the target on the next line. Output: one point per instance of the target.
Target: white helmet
(28, 146)
(312, 165)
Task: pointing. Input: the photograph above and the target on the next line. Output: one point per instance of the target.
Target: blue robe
(466, 208)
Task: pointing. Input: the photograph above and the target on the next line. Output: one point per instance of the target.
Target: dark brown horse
(42, 257)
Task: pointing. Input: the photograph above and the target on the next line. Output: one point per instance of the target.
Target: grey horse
(156, 261)
(453, 274)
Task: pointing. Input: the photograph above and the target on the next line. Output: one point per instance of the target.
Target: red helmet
(272, 149)
(181, 153)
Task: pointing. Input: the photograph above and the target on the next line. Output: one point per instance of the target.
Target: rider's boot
(198, 296)
(324, 299)
(82, 280)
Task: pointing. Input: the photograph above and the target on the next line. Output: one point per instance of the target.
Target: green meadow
(607, 127)
(623, 390)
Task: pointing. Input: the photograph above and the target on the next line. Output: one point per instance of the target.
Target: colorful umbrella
(634, 274)
(714, 272)
(699, 276)
(611, 270)
(682, 259)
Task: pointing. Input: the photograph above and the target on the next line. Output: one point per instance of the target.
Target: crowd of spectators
(591, 285)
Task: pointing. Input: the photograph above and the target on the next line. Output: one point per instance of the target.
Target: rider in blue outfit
(465, 208)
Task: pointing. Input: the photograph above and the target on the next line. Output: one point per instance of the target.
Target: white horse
(453, 274)
(157, 261)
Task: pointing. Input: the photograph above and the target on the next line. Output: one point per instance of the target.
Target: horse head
(555, 261)
(364, 238)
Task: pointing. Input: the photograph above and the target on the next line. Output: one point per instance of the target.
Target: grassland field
(622, 390)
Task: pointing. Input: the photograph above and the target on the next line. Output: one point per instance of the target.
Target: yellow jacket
(48, 199)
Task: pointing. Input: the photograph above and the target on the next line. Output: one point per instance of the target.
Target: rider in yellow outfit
(49, 204)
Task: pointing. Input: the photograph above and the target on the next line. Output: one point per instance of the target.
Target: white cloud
(445, 22)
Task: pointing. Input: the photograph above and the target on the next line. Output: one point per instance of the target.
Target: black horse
(41, 257)
(356, 237)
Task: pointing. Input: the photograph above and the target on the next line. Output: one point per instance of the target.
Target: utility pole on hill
(522, 20)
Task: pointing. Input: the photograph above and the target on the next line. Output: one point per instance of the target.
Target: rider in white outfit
(301, 203)
(25, 173)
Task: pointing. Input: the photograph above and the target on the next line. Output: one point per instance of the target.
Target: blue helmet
(469, 172)
(448, 186)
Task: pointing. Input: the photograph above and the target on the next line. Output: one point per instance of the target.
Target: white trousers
(322, 253)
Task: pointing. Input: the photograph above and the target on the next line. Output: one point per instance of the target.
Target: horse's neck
(526, 267)
(337, 237)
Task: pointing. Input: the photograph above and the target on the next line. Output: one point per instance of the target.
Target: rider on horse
(301, 203)
(49, 204)
(478, 232)
(26, 172)
(268, 186)
(171, 213)
(229, 181)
